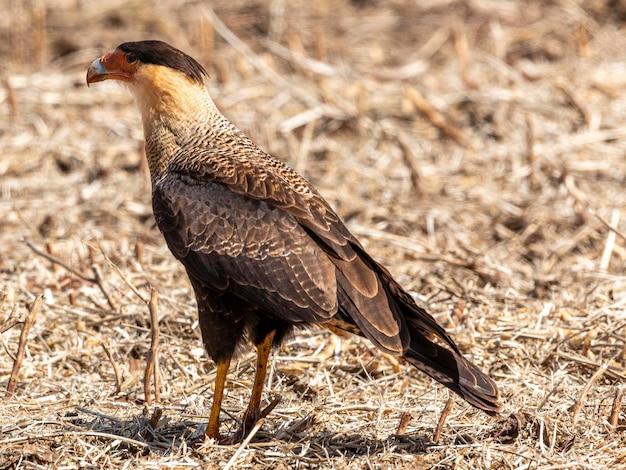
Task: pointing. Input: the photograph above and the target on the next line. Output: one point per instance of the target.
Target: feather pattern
(263, 250)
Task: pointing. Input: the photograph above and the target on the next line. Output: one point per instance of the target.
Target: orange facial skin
(114, 65)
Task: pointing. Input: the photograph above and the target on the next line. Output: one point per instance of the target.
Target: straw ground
(476, 149)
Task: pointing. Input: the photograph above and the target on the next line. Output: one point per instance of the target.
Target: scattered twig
(306, 63)
(7, 326)
(244, 444)
(21, 349)
(571, 142)
(97, 279)
(610, 227)
(461, 47)
(50, 250)
(116, 369)
(39, 34)
(91, 253)
(100, 282)
(155, 418)
(113, 419)
(612, 371)
(583, 394)
(548, 395)
(139, 249)
(408, 157)
(152, 364)
(530, 151)
(302, 157)
(12, 320)
(12, 101)
(112, 437)
(435, 117)
(459, 309)
(610, 241)
(582, 38)
(405, 418)
(391, 360)
(442, 419)
(575, 101)
(416, 67)
(617, 406)
(122, 275)
(57, 261)
(269, 408)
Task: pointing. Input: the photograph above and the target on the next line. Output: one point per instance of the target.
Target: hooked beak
(111, 66)
(96, 72)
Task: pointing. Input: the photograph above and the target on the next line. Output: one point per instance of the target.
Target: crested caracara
(265, 253)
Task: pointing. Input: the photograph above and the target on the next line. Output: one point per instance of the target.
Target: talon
(269, 408)
(220, 439)
(252, 417)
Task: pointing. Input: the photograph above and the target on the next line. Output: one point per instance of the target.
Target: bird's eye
(131, 58)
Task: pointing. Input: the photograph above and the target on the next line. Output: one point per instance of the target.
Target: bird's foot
(219, 439)
(215, 436)
(252, 417)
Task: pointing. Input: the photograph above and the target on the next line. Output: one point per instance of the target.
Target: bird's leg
(253, 412)
(213, 428)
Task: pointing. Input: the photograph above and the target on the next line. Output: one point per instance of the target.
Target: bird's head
(167, 84)
(133, 62)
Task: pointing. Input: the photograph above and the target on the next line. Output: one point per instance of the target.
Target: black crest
(161, 53)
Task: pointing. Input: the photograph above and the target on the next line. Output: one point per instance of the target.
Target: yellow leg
(213, 428)
(253, 413)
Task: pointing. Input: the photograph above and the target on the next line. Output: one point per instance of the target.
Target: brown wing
(259, 176)
(245, 246)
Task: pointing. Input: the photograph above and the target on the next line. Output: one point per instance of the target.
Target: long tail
(441, 360)
(373, 314)
(451, 369)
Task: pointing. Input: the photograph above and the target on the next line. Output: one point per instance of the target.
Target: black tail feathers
(452, 370)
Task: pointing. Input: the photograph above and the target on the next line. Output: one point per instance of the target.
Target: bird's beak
(111, 66)
(96, 72)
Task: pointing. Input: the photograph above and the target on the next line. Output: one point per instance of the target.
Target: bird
(264, 252)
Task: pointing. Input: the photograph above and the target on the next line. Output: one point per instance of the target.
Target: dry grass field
(476, 148)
